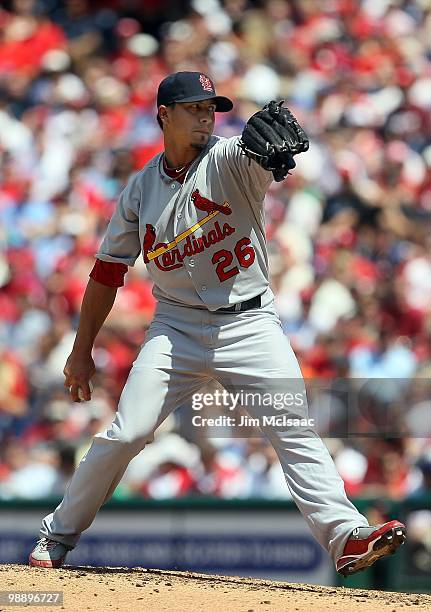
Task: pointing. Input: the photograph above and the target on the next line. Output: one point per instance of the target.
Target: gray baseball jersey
(203, 241)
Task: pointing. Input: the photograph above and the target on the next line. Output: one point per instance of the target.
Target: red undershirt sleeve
(108, 273)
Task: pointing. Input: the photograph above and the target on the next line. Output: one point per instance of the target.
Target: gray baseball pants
(185, 348)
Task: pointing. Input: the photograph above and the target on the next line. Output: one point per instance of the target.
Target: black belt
(254, 302)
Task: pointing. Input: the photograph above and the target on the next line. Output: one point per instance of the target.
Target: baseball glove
(272, 137)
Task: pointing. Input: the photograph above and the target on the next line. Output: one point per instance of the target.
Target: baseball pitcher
(195, 213)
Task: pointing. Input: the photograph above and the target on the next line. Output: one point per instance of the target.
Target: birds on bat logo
(170, 256)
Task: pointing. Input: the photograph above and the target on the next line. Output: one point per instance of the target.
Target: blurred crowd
(349, 233)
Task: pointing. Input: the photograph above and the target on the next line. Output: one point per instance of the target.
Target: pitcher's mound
(109, 588)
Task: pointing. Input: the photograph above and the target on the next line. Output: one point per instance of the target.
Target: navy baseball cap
(190, 87)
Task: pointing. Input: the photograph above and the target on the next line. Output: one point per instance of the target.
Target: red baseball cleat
(368, 544)
(48, 553)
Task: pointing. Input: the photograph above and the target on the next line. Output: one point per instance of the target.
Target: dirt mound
(108, 588)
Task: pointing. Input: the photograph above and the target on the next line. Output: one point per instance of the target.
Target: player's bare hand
(78, 371)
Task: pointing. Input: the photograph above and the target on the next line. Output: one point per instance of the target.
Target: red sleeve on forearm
(108, 273)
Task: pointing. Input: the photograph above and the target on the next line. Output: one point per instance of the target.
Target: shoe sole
(47, 564)
(385, 545)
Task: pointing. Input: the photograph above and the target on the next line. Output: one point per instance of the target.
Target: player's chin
(200, 140)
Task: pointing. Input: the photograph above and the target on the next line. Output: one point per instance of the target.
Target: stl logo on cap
(206, 83)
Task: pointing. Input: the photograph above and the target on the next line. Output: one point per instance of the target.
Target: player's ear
(162, 114)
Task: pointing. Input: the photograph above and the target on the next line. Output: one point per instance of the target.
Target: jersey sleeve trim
(108, 273)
